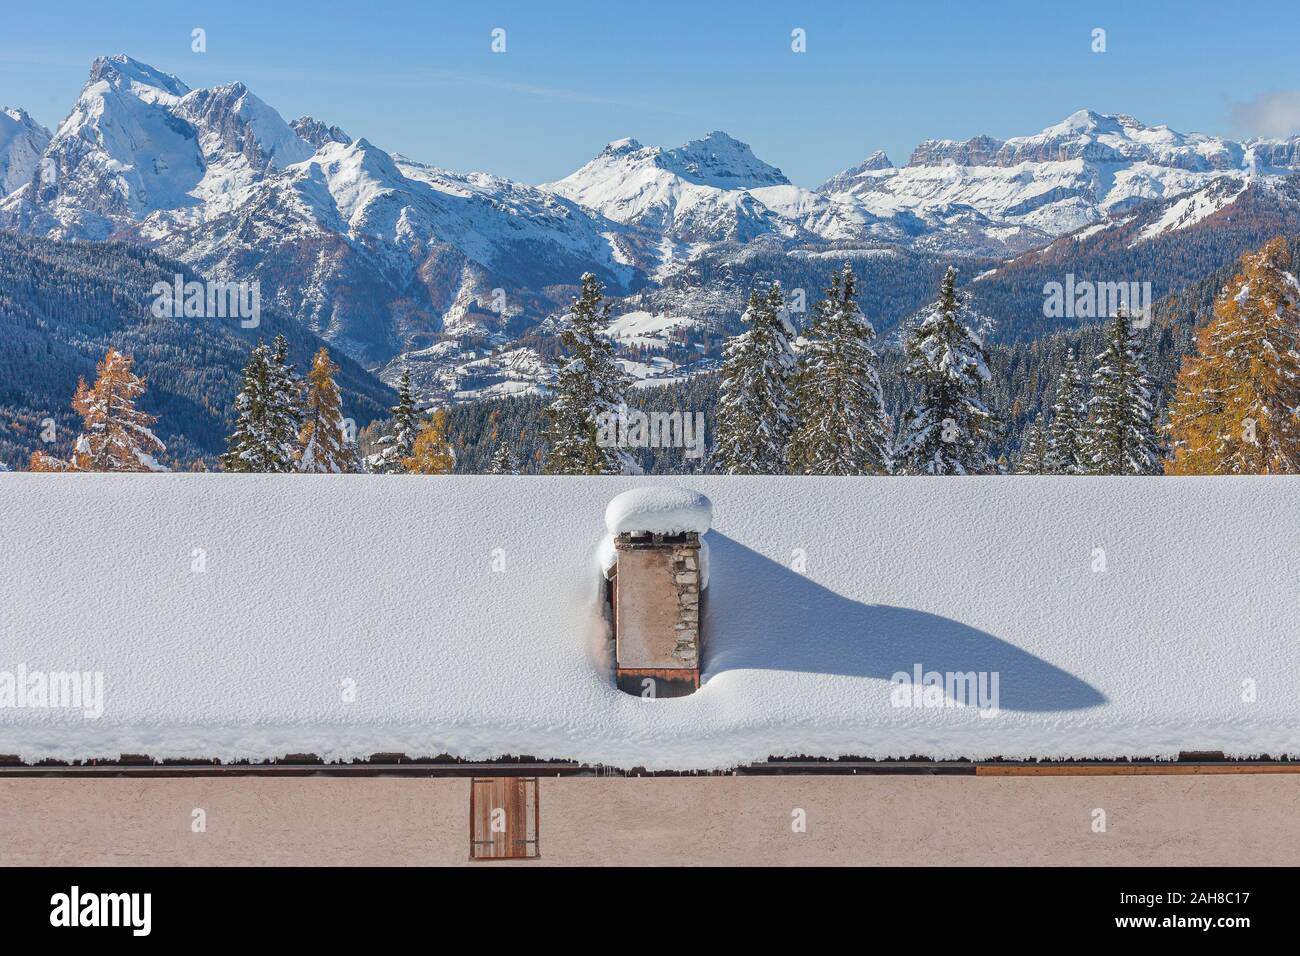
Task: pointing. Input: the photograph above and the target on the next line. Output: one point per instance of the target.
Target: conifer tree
(1068, 441)
(431, 453)
(115, 435)
(1035, 453)
(287, 392)
(591, 384)
(266, 427)
(322, 445)
(503, 462)
(1236, 409)
(755, 397)
(399, 443)
(839, 410)
(1121, 441)
(947, 430)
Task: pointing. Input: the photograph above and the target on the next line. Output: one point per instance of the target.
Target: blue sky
(420, 78)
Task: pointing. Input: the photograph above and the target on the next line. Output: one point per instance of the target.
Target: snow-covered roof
(249, 616)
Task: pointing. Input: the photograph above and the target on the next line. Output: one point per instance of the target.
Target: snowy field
(251, 616)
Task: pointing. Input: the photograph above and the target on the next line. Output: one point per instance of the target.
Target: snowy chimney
(657, 568)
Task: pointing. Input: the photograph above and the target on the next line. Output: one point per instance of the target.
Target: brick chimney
(656, 584)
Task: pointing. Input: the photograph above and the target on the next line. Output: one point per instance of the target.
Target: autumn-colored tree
(43, 462)
(115, 436)
(1236, 401)
(322, 446)
(432, 454)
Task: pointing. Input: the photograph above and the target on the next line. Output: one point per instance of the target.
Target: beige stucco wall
(1173, 820)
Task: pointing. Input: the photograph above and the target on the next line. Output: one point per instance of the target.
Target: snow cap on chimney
(659, 509)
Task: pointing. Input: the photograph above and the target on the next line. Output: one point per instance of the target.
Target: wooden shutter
(503, 822)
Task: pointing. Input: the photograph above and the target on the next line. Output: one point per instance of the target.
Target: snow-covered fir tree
(755, 397)
(287, 388)
(399, 443)
(322, 444)
(266, 425)
(590, 384)
(1069, 432)
(947, 430)
(115, 435)
(503, 462)
(839, 411)
(1035, 452)
(1121, 440)
(1236, 409)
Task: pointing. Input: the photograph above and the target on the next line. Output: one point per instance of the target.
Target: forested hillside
(1022, 385)
(62, 304)
(1125, 252)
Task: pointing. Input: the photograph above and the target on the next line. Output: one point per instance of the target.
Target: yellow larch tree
(1236, 407)
(115, 435)
(322, 445)
(432, 453)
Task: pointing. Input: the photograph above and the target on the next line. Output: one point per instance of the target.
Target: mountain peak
(976, 151)
(121, 68)
(721, 138)
(362, 156)
(716, 159)
(234, 120)
(20, 116)
(721, 160)
(1084, 119)
(854, 176)
(877, 160)
(22, 140)
(619, 147)
(317, 133)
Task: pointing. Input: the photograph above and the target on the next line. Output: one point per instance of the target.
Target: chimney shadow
(779, 619)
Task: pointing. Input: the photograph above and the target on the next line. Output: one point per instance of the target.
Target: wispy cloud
(1270, 114)
(428, 77)
(458, 78)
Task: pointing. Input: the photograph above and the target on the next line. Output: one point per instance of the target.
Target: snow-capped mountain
(709, 190)
(982, 196)
(381, 255)
(377, 254)
(394, 260)
(318, 133)
(695, 193)
(140, 143)
(1022, 192)
(22, 141)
